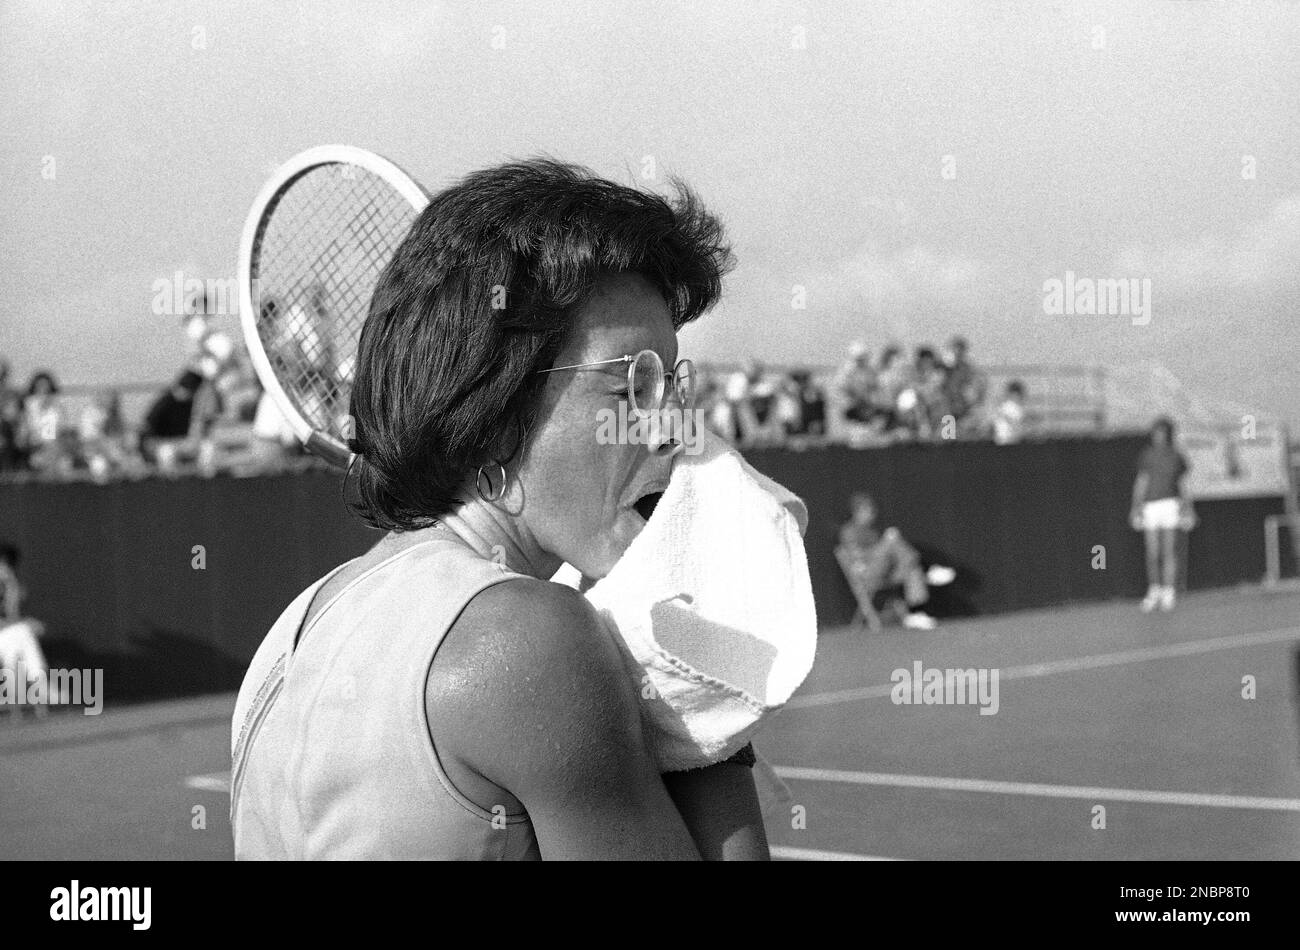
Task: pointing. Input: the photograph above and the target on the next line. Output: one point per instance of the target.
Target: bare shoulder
(529, 670)
(548, 627)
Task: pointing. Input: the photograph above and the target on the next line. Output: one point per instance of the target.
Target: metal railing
(1064, 398)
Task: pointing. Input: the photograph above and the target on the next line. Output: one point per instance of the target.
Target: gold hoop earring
(478, 483)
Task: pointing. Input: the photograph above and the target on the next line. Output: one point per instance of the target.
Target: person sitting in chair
(876, 561)
(20, 653)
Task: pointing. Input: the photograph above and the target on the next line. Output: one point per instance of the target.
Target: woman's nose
(667, 435)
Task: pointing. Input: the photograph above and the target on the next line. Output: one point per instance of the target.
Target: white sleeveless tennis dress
(331, 750)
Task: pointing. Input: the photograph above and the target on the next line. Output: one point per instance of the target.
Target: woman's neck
(498, 536)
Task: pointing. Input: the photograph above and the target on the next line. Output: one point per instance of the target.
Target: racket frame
(324, 444)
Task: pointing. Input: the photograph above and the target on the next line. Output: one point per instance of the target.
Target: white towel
(713, 602)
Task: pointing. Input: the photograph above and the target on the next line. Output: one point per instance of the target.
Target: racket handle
(330, 451)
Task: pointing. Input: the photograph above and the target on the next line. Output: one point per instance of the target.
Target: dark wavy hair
(479, 296)
(42, 376)
(1165, 423)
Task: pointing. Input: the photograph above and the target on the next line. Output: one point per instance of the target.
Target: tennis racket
(316, 240)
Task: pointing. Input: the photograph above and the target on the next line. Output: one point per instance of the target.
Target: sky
(886, 171)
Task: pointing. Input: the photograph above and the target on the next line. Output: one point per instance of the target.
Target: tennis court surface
(1098, 707)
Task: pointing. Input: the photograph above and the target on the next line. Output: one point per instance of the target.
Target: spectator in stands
(1010, 418)
(752, 396)
(735, 392)
(19, 635)
(761, 391)
(893, 378)
(717, 410)
(809, 402)
(226, 384)
(793, 419)
(280, 349)
(7, 392)
(964, 386)
(12, 455)
(103, 434)
(238, 389)
(41, 421)
(856, 384)
(1161, 506)
(171, 425)
(926, 406)
(786, 411)
(880, 561)
(210, 350)
(300, 337)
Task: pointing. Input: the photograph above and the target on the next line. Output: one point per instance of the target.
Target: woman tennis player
(439, 697)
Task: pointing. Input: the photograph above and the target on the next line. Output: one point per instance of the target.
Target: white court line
(216, 782)
(1249, 802)
(812, 854)
(1096, 661)
(220, 782)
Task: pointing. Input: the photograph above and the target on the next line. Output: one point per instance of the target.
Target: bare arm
(1139, 489)
(720, 806)
(535, 699)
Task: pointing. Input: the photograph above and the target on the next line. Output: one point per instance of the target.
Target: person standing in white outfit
(1160, 508)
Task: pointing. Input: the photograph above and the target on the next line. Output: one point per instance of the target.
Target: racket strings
(318, 258)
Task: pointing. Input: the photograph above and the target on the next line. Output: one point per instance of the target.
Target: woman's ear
(510, 445)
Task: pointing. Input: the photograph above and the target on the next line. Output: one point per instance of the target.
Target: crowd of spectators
(934, 394)
(213, 417)
(754, 407)
(216, 416)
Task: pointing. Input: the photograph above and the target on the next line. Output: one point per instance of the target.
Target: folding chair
(863, 592)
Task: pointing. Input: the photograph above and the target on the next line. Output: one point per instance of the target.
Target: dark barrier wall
(111, 568)
(1020, 523)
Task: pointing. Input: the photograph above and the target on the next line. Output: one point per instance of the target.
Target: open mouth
(645, 505)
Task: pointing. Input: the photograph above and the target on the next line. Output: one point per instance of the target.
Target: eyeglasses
(646, 387)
